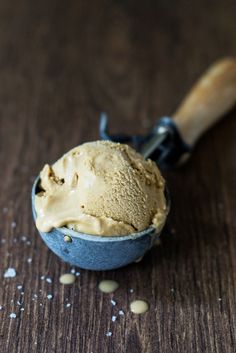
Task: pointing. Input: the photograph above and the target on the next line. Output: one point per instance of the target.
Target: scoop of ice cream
(101, 188)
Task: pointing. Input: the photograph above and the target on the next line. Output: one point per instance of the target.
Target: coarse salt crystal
(12, 315)
(48, 279)
(72, 271)
(19, 287)
(113, 302)
(131, 290)
(49, 296)
(13, 224)
(23, 238)
(113, 318)
(1, 307)
(29, 260)
(109, 334)
(22, 309)
(68, 305)
(121, 312)
(10, 273)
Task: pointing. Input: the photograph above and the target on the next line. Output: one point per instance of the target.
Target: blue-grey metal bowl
(94, 252)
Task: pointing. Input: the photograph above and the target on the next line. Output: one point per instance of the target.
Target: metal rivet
(67, 239)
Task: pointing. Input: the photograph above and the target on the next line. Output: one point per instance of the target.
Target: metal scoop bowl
(94, 252)
(168, 143)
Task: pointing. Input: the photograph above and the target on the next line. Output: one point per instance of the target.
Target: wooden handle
(209, 99)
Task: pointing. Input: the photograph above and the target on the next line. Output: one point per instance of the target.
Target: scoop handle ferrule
(210, 98)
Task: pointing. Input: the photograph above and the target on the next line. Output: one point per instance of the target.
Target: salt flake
(12, 315)
(10, 273)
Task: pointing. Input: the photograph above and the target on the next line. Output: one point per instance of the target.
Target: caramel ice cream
(101, 188)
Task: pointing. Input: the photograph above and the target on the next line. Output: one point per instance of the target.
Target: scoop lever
(162, 144)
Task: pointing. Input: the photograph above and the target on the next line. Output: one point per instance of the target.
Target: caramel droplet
(67, 278)
(139, 307)
(108, 286)
(67, 239)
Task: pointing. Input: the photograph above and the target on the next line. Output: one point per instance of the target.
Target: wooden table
(61, 64)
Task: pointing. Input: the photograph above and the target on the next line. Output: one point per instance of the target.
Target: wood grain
(61, 64)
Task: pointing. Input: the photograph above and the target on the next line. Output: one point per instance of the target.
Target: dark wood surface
(61, 64)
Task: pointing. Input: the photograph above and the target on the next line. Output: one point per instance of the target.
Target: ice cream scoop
(102, 188)
(168, 143)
